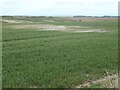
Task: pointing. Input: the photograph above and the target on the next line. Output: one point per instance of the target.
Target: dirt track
(107, 78)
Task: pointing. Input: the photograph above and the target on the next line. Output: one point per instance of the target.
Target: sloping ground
(58, 59)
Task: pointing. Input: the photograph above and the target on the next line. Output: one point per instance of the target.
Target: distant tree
(80, 20)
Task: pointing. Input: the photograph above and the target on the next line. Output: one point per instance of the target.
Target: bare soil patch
(16, 21)
(47, 27)
(40, 27)
(88, 31)
(50, 21)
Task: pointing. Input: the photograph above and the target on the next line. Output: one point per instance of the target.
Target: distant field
(57, 51)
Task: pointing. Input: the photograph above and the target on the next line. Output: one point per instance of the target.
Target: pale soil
(45, 27)
(88, 31)
(108, 82)
(50, 21)
(48, 27)
(16, 21)
(39, 27)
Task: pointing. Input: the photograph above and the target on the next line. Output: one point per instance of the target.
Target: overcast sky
(59, 7)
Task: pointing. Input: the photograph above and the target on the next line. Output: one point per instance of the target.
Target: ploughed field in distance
(39, 52)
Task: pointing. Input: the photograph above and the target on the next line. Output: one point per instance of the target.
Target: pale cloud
(59, 7)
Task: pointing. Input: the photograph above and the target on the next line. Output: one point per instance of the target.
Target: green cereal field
(57, 52)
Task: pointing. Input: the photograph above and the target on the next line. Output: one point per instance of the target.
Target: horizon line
(65, 15)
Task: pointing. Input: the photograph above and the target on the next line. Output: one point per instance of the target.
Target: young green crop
(34, 58)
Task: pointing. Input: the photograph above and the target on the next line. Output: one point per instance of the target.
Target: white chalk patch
(88, 31)
(47, 27)
(16, 21)
(49, 21)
